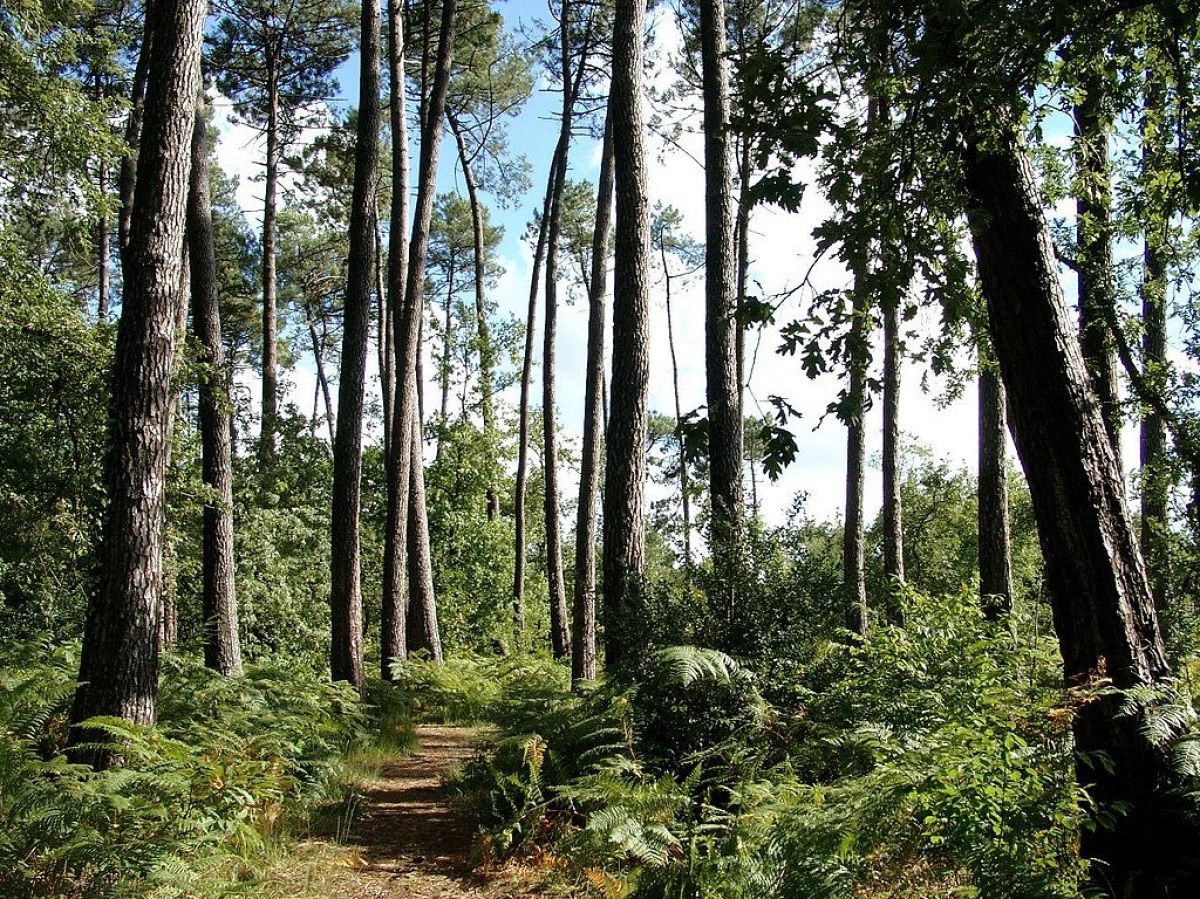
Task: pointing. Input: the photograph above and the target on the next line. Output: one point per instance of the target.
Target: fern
(209, 782)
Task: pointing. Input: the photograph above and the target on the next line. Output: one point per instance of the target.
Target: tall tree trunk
(270, 364)
(684, 486)
(1097, 285)
(560, 634)
(483, 331)
(168, 615)
(625, 468)
(995, 552)
(127, 178)
(103, 248)
(222, 649)
(444, 365)
(891, 296)
(394, 616)
(423, 630)
(118, 672)
(345, 595)
(754, 485)
(408, 348)
(723, 382)
(318, 343)
(854, 581)
(893, 516)
(384, 339)
(742, 237)
(518, 594)
(583, 621)
(1103, 609)
(1155, 479)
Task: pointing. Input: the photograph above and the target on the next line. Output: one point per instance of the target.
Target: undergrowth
(927, 760)
(477, 689)
(233, 771)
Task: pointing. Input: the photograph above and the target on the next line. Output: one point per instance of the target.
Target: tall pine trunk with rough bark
(1155, 479)
(103, 248)
(892, 511)
(393, 628)
(721, 322)
(483, 330)
(685, 491)
(522, 477)
(583, 621)
(1094, 237)
(270, 362)
(384, 336)
(625, 462)
(408, 404)
(560, 634)
(127, 177)
(118, 673)
(168, 617)
(995, 546)
(854, 580)
(222, 648)
(345, 595)
(1103, 609)
(423, 631)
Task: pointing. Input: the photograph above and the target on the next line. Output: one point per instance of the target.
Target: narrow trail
(413, 842)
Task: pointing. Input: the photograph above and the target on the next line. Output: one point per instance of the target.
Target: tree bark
(127, 176)
(583, 622)
(345, 596)
(723, 383)
(684, 486)
(854, 581)
(386, 342)
(625, 469)
(995, 551)
(1155, 479)
(1103, 609)
(423, 630)
(518, 594)
(560, 635)
(1097, 286)
(742, 237)
(483, 331)
(168, 618)
(222, 648)
(444, 366)
(118, 672)
(893, 515)
(318, 342)
(103, 249)
(408, 344)
(270, 364)
(394, 613)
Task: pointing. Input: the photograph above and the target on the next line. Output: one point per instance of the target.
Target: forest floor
(410, 840)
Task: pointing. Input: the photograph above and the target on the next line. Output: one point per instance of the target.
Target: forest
(666, 449)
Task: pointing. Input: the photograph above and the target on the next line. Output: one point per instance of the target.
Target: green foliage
(927, 760)
(263, 53)
(282, 533)
(473, 689)
(53, 390)
(231, 767)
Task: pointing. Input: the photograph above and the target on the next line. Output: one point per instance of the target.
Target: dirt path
(412, 841)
